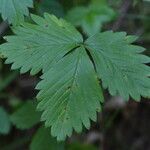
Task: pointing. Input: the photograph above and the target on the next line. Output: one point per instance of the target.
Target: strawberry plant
(75, 70)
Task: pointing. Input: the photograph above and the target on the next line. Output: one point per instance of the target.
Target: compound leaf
(26, 116)
(120, 65)
(70, 94)
(14, 10)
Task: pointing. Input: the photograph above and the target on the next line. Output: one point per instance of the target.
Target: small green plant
(74, 69)
(92, 17)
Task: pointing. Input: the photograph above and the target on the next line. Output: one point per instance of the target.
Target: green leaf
(4, 122)
(14, 10)
(70, 96)
(36, 47)
(43, 141)
(91, 18)
(26, 116)
(70, 92)
(120, 65)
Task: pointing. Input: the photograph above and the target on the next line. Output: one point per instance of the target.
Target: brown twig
(123, 11)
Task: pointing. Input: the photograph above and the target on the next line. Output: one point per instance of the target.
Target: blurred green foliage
(43, 141)
(5, 123)
(50, 6)
(91, 17)
(26, 116)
